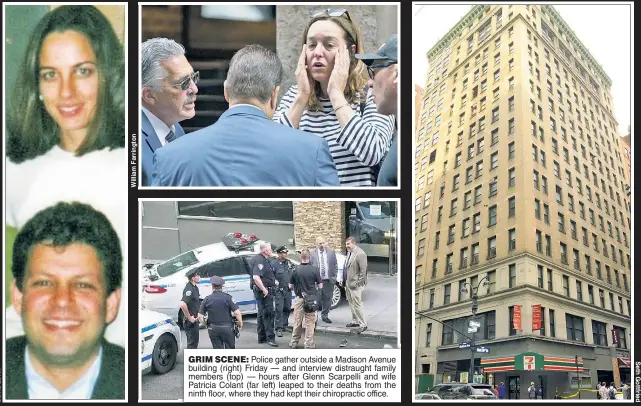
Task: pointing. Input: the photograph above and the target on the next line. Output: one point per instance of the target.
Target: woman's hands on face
(303, 78)
(338, 78)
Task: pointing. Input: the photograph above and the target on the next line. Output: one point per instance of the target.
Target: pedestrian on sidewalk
(603, 391)
(305, 281)
(356, 270)
(502, 391)
(539, 392)
(324, 258)
(496, 390)
(531, 391)
(612, 392)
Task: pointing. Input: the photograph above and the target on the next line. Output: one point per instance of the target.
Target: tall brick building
(520, 199)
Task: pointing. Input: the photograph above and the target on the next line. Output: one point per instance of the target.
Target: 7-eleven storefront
(555, 374)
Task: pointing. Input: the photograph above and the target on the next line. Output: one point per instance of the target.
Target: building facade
(169, 228)
(521, 200)
(626, 148)
(418, 103)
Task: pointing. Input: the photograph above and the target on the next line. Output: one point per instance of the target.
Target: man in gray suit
(356, 280)
(168, 93)
(323, 258)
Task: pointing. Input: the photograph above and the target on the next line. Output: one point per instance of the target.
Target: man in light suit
(244, 147)
(168, 96)
(324, 258)
(356, 279)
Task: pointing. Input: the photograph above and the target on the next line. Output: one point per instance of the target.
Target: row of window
(609, 208)
(553, 126)
(452, 328)
(579, 289)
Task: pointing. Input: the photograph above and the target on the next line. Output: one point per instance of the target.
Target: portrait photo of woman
(65, 125)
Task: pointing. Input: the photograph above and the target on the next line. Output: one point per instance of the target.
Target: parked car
(427, 396)
(160, 341)
(461, 390)
(163, 283)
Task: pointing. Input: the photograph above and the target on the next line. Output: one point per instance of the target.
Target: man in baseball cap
(382, 67)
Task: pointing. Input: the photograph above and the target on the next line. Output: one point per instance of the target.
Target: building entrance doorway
(514, 387)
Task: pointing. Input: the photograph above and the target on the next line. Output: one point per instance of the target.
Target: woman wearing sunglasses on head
(329, 98)
(66, 126)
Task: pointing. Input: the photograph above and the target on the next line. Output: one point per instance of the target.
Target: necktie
(322, 265)
(170, 137)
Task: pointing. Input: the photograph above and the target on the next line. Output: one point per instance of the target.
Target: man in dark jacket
(67, 273)
(305, 281)
(382, 67)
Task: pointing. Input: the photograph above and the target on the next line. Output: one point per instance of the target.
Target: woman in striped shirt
(328, 99)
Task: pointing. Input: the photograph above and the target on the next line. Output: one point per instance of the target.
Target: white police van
(230, 259)
(160, 342)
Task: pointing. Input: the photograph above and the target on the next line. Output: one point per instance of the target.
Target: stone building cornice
(468, 18)
(573, 38)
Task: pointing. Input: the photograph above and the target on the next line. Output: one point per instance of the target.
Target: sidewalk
(380, 302)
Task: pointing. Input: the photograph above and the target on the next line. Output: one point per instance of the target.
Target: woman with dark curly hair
(66, 124)
(329, 98)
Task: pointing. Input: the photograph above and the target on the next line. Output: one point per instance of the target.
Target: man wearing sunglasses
(382, 67)
(168, 96)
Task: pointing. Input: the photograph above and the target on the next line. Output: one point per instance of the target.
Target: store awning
(530, 361)
(624, 362)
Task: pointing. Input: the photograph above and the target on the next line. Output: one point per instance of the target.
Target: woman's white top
(355, 148)
(99, 178)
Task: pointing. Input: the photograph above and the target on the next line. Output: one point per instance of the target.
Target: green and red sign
(530, 361)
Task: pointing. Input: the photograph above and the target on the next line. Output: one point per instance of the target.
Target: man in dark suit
(67, 273)
(244, 147)
(382, 67)
(324, 258)
(168, 97)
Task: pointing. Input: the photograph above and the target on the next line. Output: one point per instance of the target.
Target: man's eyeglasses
(332, 12)
(184, 85)
(372, 70)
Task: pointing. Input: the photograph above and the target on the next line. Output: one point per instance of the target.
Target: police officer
(189, 305)
(283, 298)
(264, 288)
(219, 306)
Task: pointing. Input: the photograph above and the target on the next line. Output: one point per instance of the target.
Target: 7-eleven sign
(529, 362)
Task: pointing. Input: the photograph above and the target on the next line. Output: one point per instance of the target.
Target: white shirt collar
(159, 126)
(40, 388)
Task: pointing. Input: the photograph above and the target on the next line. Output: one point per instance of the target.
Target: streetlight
(474, 290)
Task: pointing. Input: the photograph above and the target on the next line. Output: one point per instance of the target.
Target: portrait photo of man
(67, 276)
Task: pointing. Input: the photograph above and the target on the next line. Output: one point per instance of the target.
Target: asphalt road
(170, 385)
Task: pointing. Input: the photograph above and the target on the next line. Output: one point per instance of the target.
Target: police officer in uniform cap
(283, 298)
(264, 283)
(189, 305)
(219, 306)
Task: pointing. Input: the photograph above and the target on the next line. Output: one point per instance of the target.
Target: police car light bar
(237, 241)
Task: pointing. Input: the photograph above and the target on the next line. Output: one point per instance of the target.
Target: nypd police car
(160, 342)
(163, 283)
